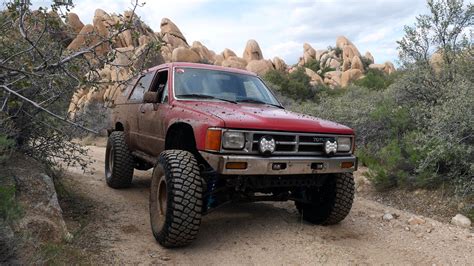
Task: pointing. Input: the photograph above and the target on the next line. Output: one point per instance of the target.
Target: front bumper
(258, 165)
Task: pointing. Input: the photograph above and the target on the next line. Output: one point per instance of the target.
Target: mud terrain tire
(119, 161)
(331, 203)
(176, 199)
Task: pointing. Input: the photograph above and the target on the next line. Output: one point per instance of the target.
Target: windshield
(194, 83)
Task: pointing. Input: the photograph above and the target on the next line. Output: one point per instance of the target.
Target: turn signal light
(213, 139)
(347, 164)
(236, 165)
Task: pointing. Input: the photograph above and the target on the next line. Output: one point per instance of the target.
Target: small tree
(38, 76)
(445, 29)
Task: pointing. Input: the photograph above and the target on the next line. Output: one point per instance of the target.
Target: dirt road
(262, 233)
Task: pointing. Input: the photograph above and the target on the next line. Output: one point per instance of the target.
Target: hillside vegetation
(414, 127)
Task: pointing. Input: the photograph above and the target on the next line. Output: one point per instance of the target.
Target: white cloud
(280, 27)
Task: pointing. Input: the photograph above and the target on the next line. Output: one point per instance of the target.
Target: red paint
(205, 114)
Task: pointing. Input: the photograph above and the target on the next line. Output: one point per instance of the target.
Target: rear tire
(119, 161)
(176, 199)
(331, 203)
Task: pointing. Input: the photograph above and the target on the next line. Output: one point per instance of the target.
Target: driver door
(150, 121)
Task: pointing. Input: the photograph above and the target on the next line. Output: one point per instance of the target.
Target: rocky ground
(117, 230)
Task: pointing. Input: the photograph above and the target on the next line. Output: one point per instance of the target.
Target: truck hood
(264, 117)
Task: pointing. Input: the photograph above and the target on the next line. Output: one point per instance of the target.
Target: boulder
(174, 41)
(333, 63)
(333, 78)
(43, 215)
(252, 51)
(74, 22)
(314, 76)
(349, 51)
(350, 76)
(259, 67)
(389, 68)
(356, 63)
(279, 64)
(99, 21)
(85, 36)
(146, 58)
(203, 52)
(235, 62)
(218, 60)
(123, 56)
(168, 27)
(461, 220)
(319, 54)
(228, 53)
(309, 49)
(182, 54)
(369, 57)
(342, 41)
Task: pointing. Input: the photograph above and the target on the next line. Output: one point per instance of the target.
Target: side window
(161, 86)
(142, 86)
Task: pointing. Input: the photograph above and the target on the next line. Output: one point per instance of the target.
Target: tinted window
(142, 86)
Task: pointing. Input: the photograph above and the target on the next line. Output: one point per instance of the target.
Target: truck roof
(202, 66)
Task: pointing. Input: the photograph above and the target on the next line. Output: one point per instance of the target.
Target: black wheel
(176, 199)
(330, 203)
(119, 161)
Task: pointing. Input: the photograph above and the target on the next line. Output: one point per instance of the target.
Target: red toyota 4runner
(216, 135)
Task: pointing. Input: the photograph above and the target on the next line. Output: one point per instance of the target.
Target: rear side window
(142, 86)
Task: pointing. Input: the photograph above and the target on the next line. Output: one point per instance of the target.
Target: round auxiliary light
(330, 147)
(267, 145)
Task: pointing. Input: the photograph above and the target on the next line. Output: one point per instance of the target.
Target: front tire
(331, 203)
(119, 161)
(176, 199)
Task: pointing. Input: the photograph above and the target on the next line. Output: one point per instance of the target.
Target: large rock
(86, 37)
(279, 64)
(182, 54)
(369, 57)
(342, 41)
(320, 53)
(260, 67)
(203, 52)
(461, 220)
(349, 51)
(74, 22)
(252, 51)
(168, 27)
(100, 22)
(437, 61)
(228, 53)
(235, 62)
(218, 60)
(43, 215)
(349, 76)
(356, 63)
(314, 76)
(333, 78)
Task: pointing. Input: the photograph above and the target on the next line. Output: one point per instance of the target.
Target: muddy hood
(263, 117)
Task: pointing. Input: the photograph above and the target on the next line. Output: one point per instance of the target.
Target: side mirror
(150, 97)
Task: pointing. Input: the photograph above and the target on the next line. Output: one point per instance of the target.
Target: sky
(280, 27)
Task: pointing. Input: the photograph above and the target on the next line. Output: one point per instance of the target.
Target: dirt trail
(264, 233)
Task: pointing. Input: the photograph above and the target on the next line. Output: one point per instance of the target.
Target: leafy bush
(294, 85)
(375, 80)
(313, 64)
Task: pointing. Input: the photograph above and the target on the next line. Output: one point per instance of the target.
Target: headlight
(233, 140)
(344, 144)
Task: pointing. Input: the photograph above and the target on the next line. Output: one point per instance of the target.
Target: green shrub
(294, 85)
(313, 64)
(375, 80)
(9, 208)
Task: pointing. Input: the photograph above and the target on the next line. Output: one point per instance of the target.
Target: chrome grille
(288, 143)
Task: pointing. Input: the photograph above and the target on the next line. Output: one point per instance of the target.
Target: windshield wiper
(259, 102)
(204, 96)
